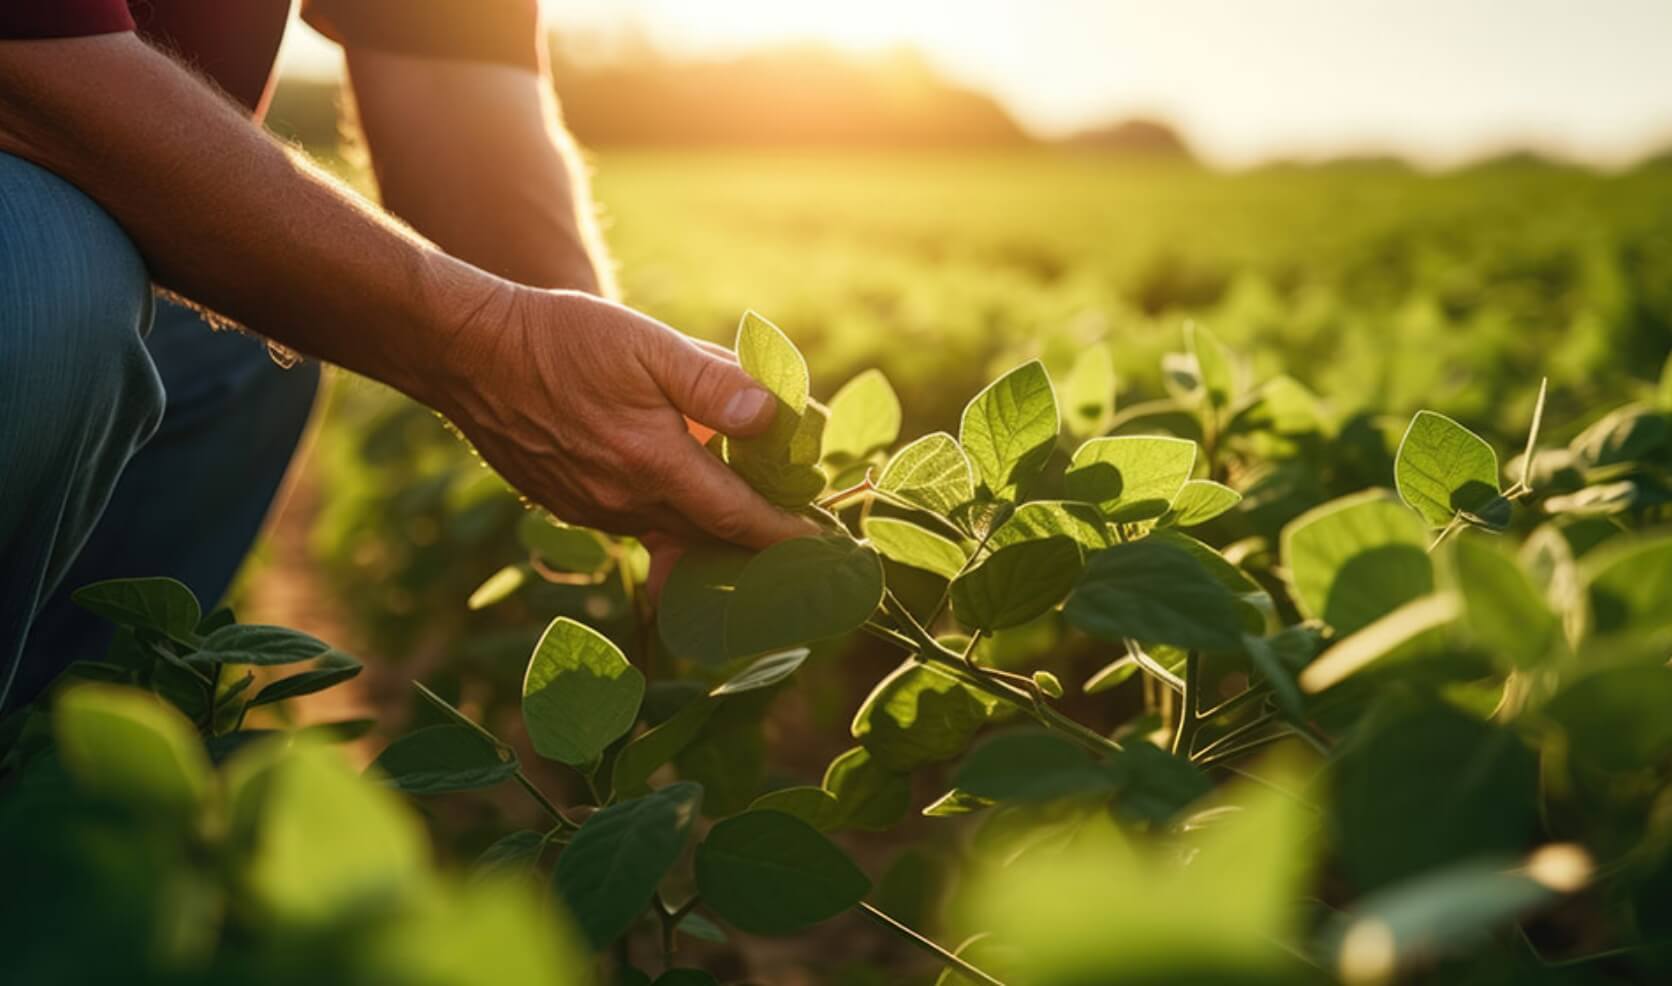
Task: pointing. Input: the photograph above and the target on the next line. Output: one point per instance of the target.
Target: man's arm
(575, 400)
(473, 155)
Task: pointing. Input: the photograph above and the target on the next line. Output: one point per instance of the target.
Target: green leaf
(1615, 719)
(1155, 784)
(579, 693)
(1215, 366)
(782, 465)
(1443, 468)
(868, 795)
(1409, 629)
(1353, 560)
(334, 668)
(702, 929)
(610, 869)
(438, 759)
(1016, 583)
(1433, 915)
(769, 873)
(1264, 656)
(764, 673)
(159, 604)
(447, 709)
(909, 544)
(802, 590)
(1199, 501)
(691, 615)
(498, 587)
(1130, 478)
(864, 417)
(1425, 785)
(920, 714)
(127, 746)
(322, 843)
(655, 747)
(813, 805)
(1253, 602)
(1110, 675)
(728, 757)
(1032, 766)
(1629, 585)
(932, 473)
(1010, 428)
(253, 643)
(1502, 608)
(1088, 394)
(1155, 593)
(1665, 393)
(768, 355)
(572, 549)
(954, 803)
(1041, 519)
(517, 852)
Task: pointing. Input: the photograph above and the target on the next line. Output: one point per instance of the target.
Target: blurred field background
(887, 217)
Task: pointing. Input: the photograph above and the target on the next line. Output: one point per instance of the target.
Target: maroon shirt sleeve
(63, 18)
(506, 31)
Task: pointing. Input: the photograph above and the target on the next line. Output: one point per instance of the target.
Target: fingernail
(745, 406)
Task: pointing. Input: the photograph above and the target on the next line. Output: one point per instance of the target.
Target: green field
(1259, 619)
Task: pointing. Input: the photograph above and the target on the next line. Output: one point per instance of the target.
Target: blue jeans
(133, 439)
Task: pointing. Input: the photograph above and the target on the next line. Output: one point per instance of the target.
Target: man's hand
(582, 404)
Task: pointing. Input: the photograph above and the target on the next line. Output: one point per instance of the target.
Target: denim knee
(75, 305)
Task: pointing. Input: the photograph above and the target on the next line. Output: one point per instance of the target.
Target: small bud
(1047, 683)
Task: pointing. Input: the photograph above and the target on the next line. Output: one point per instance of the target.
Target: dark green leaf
(571, 549)
(513, 853)
(610, 869)
(1155, 593)
(1032, 766)
(1016, 583)
(769, 873)
(813, 805)
(1502, 608)
(246, 643)
(691, 615)
(655, 747)
(159, 604)
(868, 795)
(437, 759)
(334, 668)
(802, 590)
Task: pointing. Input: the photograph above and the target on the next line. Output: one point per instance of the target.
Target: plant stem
(1153, 666)
(1219, 756)
(543, 801)
(839, 497)
(1235, 734)
(1189, 702)
(1235, 701)
(946, 958)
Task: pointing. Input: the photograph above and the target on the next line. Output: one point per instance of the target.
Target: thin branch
(1154, 667)
(945, 957)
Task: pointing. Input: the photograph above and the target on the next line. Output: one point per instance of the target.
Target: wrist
(455, 318)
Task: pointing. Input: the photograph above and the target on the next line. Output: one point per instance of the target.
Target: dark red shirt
(234, 42)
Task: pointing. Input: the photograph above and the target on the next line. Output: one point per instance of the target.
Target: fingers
(717, 500)
(708, 389)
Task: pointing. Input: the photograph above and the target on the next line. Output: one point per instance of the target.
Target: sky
(1440, 81)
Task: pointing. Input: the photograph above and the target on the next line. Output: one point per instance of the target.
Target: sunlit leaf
(579, 693)
(864, 417)
(909, 544)
(1130, 478)
(764, 672)
(1088, 395)
(1155, 593)
(932, 473)
(1443, 468)
(1009, 428)
(1199, 501)
(1353, 560)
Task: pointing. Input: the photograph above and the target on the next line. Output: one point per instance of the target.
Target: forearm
(473, 155)
(229, 218)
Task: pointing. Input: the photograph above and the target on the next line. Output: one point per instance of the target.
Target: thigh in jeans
(78, 390)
